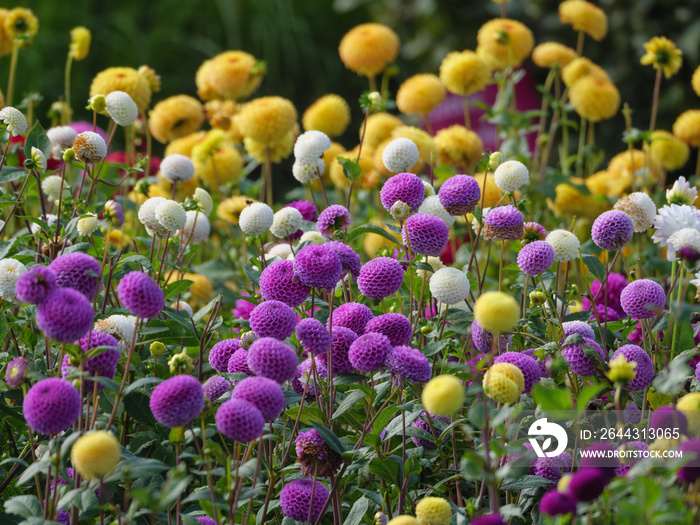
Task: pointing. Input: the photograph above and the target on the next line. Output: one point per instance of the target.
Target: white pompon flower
(171, 215)
(120, 326)
(511, 176)
(304, 172)
(87, 225)
(682, 193)
(256, 219)
(195, 232)
(429, 190)
(177, 168)
(283, 251)
(400, 155)
(51, 186)
(688, 238)
(61, 138)
(89, 147)
(432, 206)
(310, 146)
(122, 108)
(10, 272)
(566, 245)
(449, 285)
(39, 160)
(671, 218)
(14, 120)
(203, 200)
(640, 208)
(147, 217)
(285, 222)
(312, 237)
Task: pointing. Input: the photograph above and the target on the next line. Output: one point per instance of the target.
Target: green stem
(13, 69)
(66, 115)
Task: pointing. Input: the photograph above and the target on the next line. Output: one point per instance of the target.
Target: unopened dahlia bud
(375, 101)
(98, 104)
(537, 298)
(247, 339)
(621, 371)
(37, 161)
(114, 213)
(181, 363)
(203, 200)
(495, 160)
(157, 348)
(69, 155)
(400, 211)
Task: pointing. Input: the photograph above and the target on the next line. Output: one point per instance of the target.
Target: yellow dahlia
(433, 511)
(124, 79)
(491, 193)
(379, 128)
(420, 94)
(330, 114)
(670, 151)
(266, 119)
(216, 161)
(21, 25)
(175, 117)
(584, 16)
(695, 80)
(151, 77)
(687, 127)
(496, 312)
(464, 72)
(80, 38)
(582, 67)
(279, 150)
(368, 48)
(550, 54)
(638, 164)
(374, 242)
(184, 145)
(230, 209)
(230, 75)
(459, 147)
(662, 54)
(5, 40)
(570, 202)
(504, 382)
(201, 289)
(220, 114)
(503, 43)
(594, 99)
(95, 454)
(118, 238)
(443, 395)
(609, 184)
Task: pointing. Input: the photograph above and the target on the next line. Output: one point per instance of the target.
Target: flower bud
(537, 298)
(375, 101)
(69, 155)
(400, 211)
(621, 371)
(495, 160)
(181, 363)
(98, 104)
(157, 348)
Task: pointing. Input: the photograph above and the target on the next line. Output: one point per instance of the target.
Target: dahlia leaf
(357, 512)
(37, 138)
(329, 437)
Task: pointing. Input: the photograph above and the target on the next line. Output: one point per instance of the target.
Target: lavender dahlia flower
(65, 315)
(369, 351)
(587, 484)
(380, 277)
(16, 372)
(348, 257)
(313, 336)
(408, 364)
(297, 502)
(318, 265)
(535, 257)
(239, 420)
(271, 358)
(278, 283)
(141, 295)
(215, 387)
(459, 194)
(103, 364)
(79, 271)
(396, 327)
(273, 319)
(527, 365)
(177, 401)
(263, 393)
(645, 368)
(315, 455)
(422, 423)
(575, 356)
(404, 187)
(35, 284)
(221, 352)
(354, 316)
(335, 218)
(641, 298)
(425, 234)
(668, 417)
(342, 339)
(555, 503)
(612, 230)
(238, 362)
(503, 223)
(51, 405)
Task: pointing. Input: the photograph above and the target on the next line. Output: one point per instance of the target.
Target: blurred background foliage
(299, 38)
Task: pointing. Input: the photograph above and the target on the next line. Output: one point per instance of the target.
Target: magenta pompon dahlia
(65, 315)
(354, 316)
(425, 234)
(645, 368)
(642, 298)
(460, 194)
(380, 277)
(297, 502)
(395, 326)
(221, 353)
(319, 266)
(177, 401)
(368, 352)
(404, 187)
(335, 218)
(273, 319)
(269, 357)
(263, 393)
(535, 257)
(35, 284)
(239, 420)
(313, 336)
(612, 230)
(79, 271)
(141, 295)
(503, 223)
(278, 283)
(51, 405)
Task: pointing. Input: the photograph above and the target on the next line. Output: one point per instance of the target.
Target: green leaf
(386, 469)
(586, 394)
(252, 273)
(683, 337)
(141, 382)
(174, 486)
(525, 482)
(349, 402)
(136, 405)
(25, 506)
(594, 266)
(199, 315)
(351, 169)
(139, 259)
(552, 398)
(5, 247)
(176, 288)
(37, 138)
(329, 437)
(672, 379)
(11, 174)
(357, 512)
(371, 228)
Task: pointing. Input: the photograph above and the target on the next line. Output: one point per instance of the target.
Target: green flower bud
(537, 298)
(495, 160)
(181, 363)
(375, 101)
(69, 155)
(157, 348)
(98, 104)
